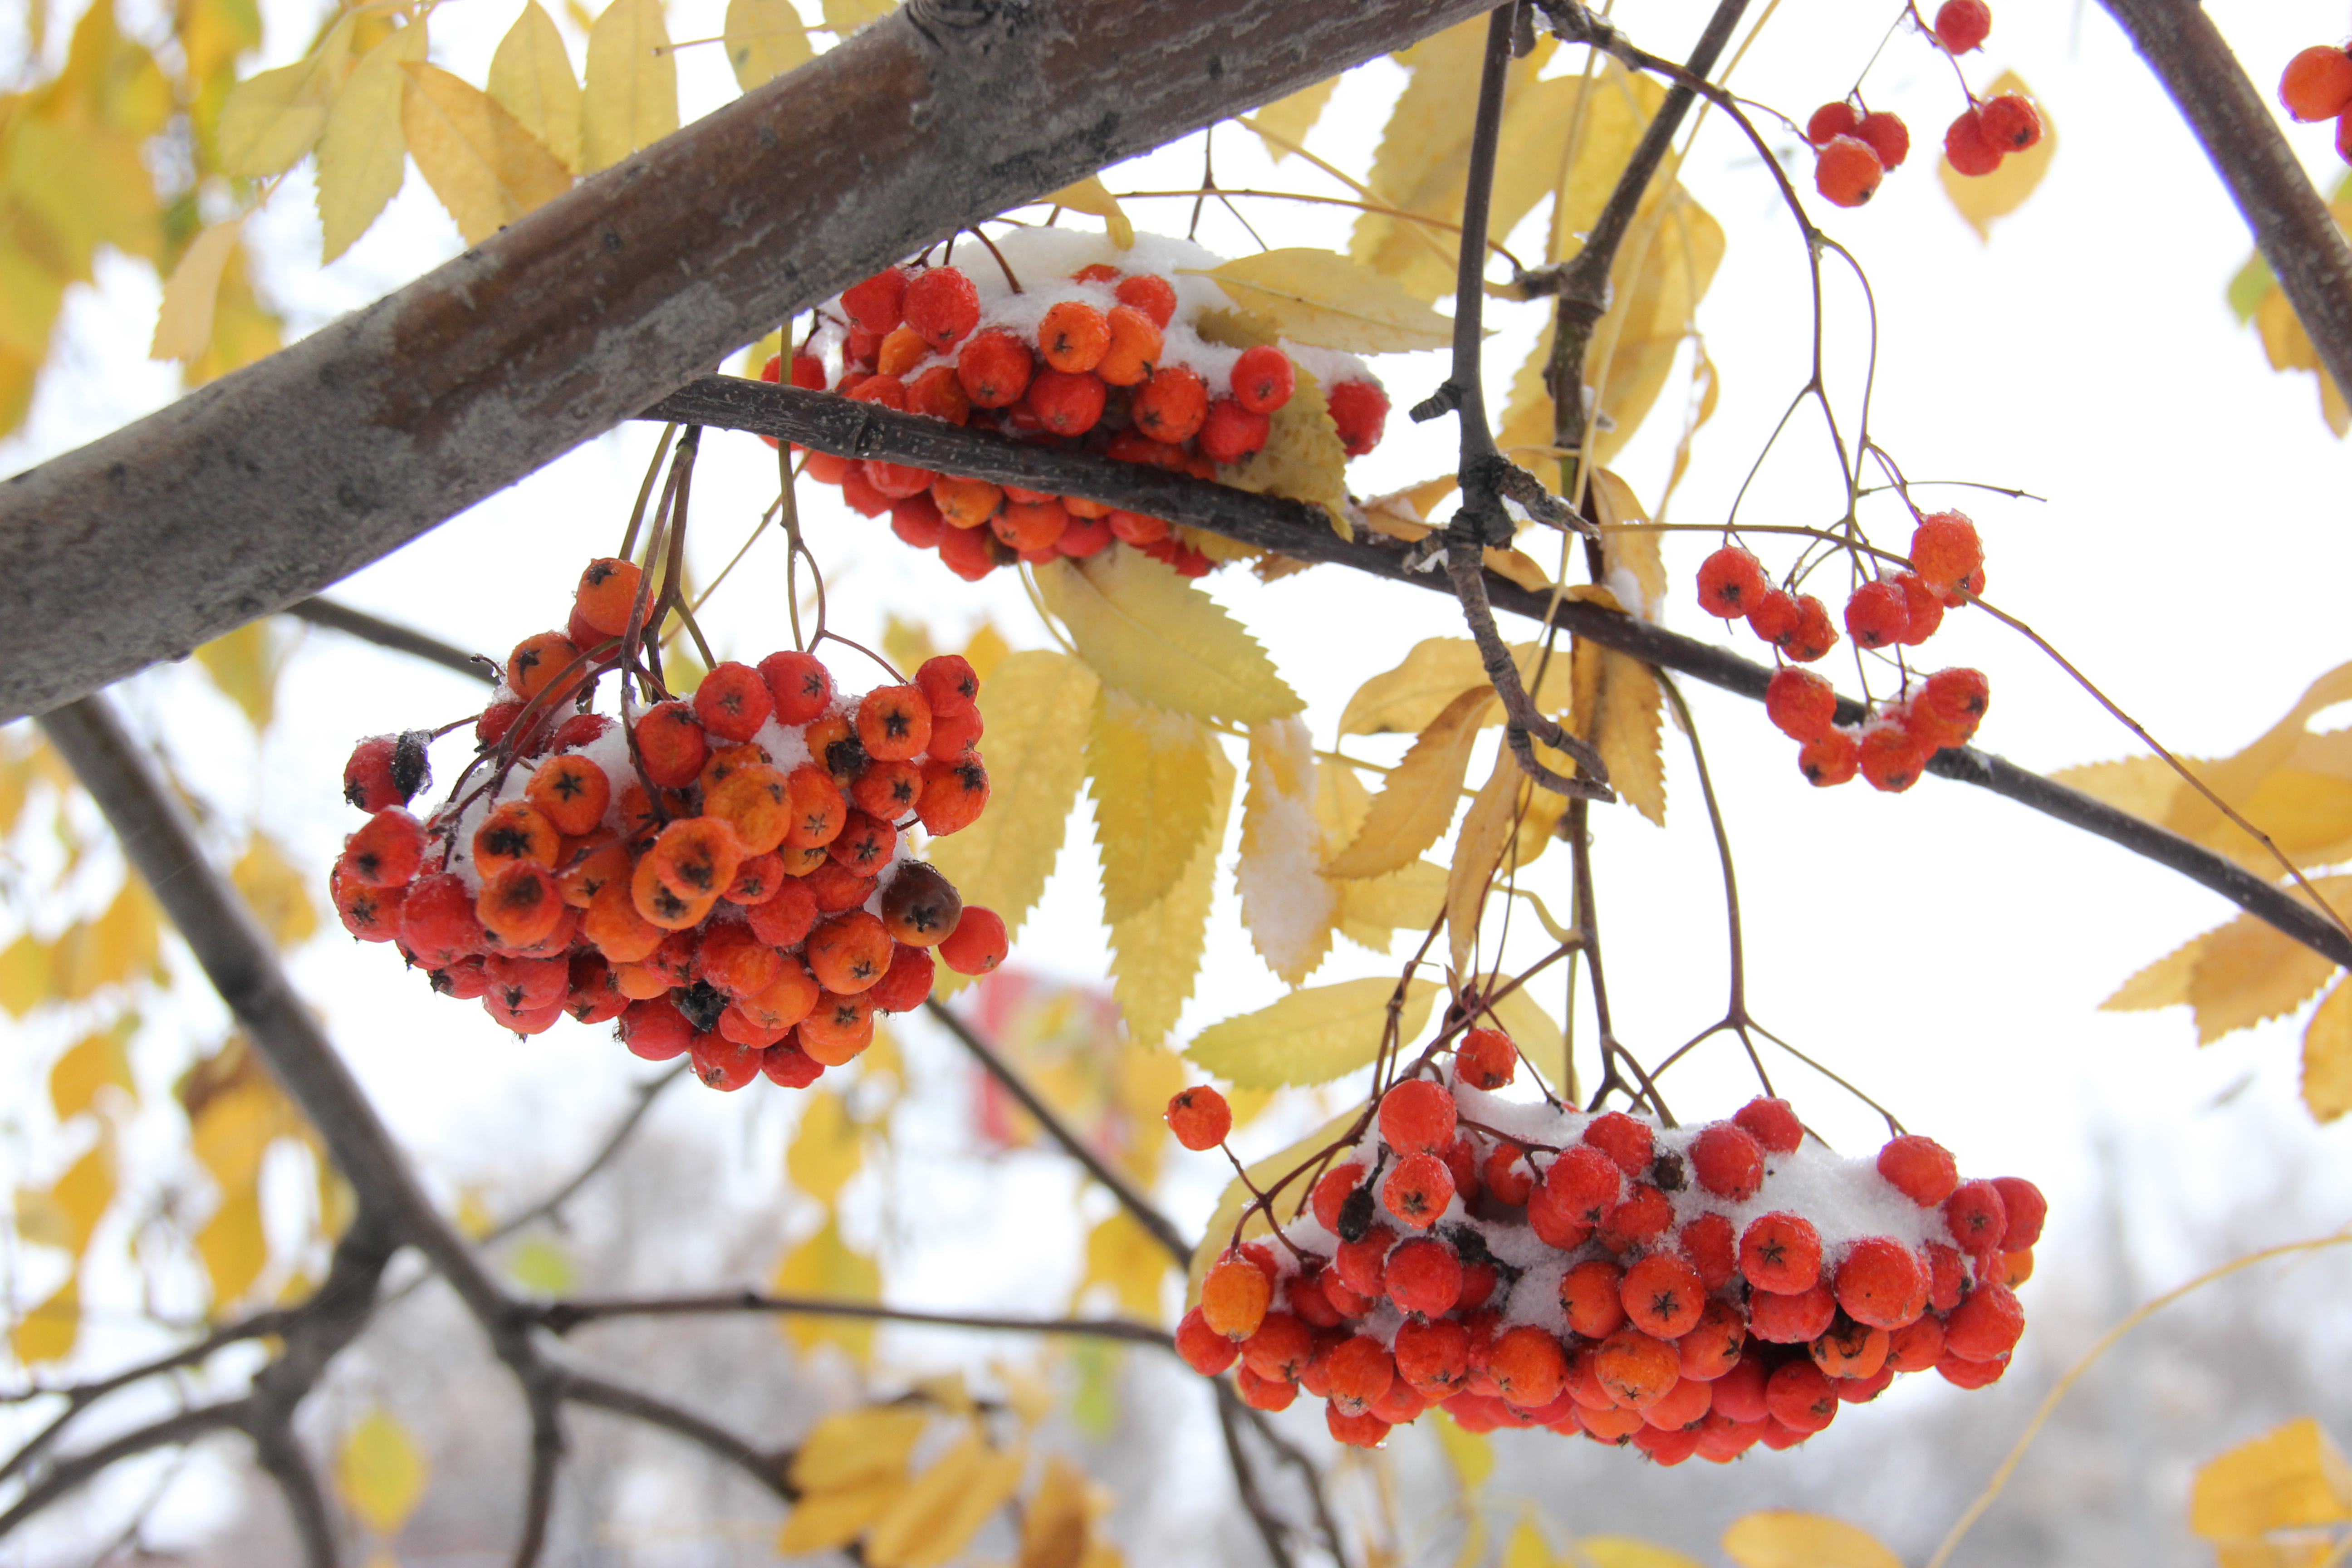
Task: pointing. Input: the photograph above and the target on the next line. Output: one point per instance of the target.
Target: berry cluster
(1682, 1290)
(1109, 360)
(1894, 743)
(1854, 149)
(724, 876)
(2318, 85)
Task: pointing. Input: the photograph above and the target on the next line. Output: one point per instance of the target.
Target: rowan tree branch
(266, 485)
(831, 424)
(563, 1317)
(2232, 121)
(768, 1470)
(69, 1475)
(399, 638)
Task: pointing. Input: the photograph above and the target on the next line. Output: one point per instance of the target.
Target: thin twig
(563, 1317)
(597, 1394)
(399, 638)
(647, 1093)
(71, 1475)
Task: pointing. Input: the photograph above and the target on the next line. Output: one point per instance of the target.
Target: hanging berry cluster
(2318, 85)
(1855, 148)
(1892, 746)
(1680, 1290)
(1112, 360)
(723, 875)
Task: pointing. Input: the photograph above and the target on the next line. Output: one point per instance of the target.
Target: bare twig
(399, 638)
(71, 1475)
(279, 1454)
(1271, 1526)
(597, 1394)
(563, 1317)
(647, 1093)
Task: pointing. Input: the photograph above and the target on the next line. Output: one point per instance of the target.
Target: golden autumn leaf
(1471, 1454)
(542, 1269)
(631, 97)
(1287, 906)
(184, 324)
(363, 154)
(825, 1265)
(1129, 1260)
(530, 77)
(1303, 458)
(88, 1065)
(2291, 1478)
(827, 1148)
(1162, 640)
(935, 1517)
(1150, 773)
(77, 187)
(81, 1195)
(1784, 1537)
(274, 117)
(31, 294)
(244, 330)
(1326, 300)
(1617, 710)
(825, 1519)
(23, 975)
(2236, 974)
(1983, 198)
(1058, 1523)
(380, 1471)
(1526, 1547)
(486, 170)
(846, 16)
(1631, 560)
(279, 894)
(765, 38)
(245, 665)
(1623, 1552)
(1290, 119)
(233, 1247)
(1411, 899)
(1409, 697)
(1416, 805)
(1313, 1035)
(50, 1331)
(1156, 951)
(1091, 197)
(2328, 1057)
(858, 1447)
(1488, 828)
(1037, 705)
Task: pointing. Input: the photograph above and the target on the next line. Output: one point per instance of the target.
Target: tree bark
(268, 485)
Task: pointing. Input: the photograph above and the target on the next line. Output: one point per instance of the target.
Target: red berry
(1262, 379)
(1892, 758)
(1877, 615)
(800, 687)
(1710, 1246)
(2026, 1207)
(1231, 433)
(1948, 706)
(1848, 172)
(978, 943)
(1831, 759)
(1424, 1276)
(1772, 1123)
(1204, 1349)
(1775, 617)
(1640, 1219)
(1985, 1326)
(1781, 1252)
(1791, 1318)
(1881, 1282)
(1832, 120)
(733, 702)
(1418, 1190)
(1623, 1139)
(1199, 1117)
(941, 304)
(1977, 1218)
(1920, 1169)
(1966, 147)
(1814, 637)
(386, 851)
(387, 770)
(1417, 1116)
(1945, 550)
(1150, 293)
(1234, 1297)
(1800, 703)
(1961, 24)
(1888, 137)
(1728, 1162)
(1067, 404)
(2316, 83)
(1923, 607)
(878, 304)
(1486, 1059)
(1331, 1190)
(1508, 1178)
(1360, 410)
(1584, 1183)
(994, 367)
(2010, 123)
(1801, 1397)
(1731, 582)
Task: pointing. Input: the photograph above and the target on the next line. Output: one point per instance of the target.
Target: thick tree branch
(831, 424)
(2232, 121)
(563, 1317)
(1130, 1196)
(268, 485)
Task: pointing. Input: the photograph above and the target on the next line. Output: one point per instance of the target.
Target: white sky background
(1945, 948)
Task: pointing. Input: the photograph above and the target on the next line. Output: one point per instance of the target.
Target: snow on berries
(723, 875)
(1892, 744)
(1680, 1290)
(1125, 354)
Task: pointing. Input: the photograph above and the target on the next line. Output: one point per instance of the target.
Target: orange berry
(1171, 404)
(2010, 123)
(890, 790)
(1711, 1347)
(735, 962)
(786, 920)
(1592, 1294)
(1847, 173)
(671, 744)
(1882, 1283)
(1135, 347)
(798, 684)
(386, 851)
(784, 1001)
(1074, 337)
(612, 924)
(1664, 1296)
(967, 503)
(696, 857)
(1635, 1369)
(515, 831)
(1529, 1367)
(755, 803)
(994, 367)
(1262, 379)
(848, 953)
(836, 888)
(903, 349)
(1150, 293)
(953, 793)
(1068, 404)
(733, 702)
(977, 944)
(816, 806)
(837, 1028)
(2316, 83)
(1200, 1117)
(607, 592)
(570, 792)
(658, 903)
(1234, 1297)
(537, 661)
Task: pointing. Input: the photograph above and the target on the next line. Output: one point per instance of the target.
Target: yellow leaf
(233, 1247)
(1471, 1454)
(853, 1448)
(486, 168)
(542, 1269)
(244, 330)
(1784, 1537)
(1290, 119)
(2238, 973)
(2291, 1478)
(274, 117)
(986, 650)
(1124, 1256)
(1629, 558)
(88, 1065)
(23, 975)
(362, 155)
(824, 1265)
(245, 665)
(531, 76)
(234, 1127)
(631, 99)
(1656, 291)
(2328, 1057)
(1621, 1552)
(906, 643)
(1037, 705)
(1526, 1547)
(80, 187)
(82, 1194)
(1473, 1553)
(1324, 300)
(1261, 1175)
(764, 39)
(1313, 1035)
(17, 374)
(823, 1521)
(47, 1332)
(1055, 1525)
(473, 1217)
(1287, 906)
(1149, 772)
(1091, 197)
(2163, 983)
(1488, 828)
(1162, 640)
(31, 294)
(1373, 910)
(125, 940)
(846, 16)
(185, 325)
(1985, 197)
(1409, 697)
(934, 1518)
(278, 893)
(826, 1149)
(1597, 145)
(1617, 708)
(1156, 951)
(1303, 458)
(1416, 805)
(382, 1471)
